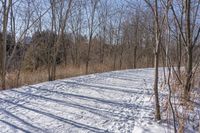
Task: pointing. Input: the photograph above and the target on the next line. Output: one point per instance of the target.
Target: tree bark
(189, 64)
(156, 62)
(135, 58)
(6, 9)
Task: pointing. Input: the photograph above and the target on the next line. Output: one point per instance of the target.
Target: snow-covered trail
(117, 101)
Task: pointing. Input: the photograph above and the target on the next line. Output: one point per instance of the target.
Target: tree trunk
(6, 10)
(179, 52)
(188, 74)
(115, 58)
(88, 58)
(135, 58)
(157, 105)
(121, 56)
(156, 62)
(189, 64)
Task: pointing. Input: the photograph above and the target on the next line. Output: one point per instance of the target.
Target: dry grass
(184, 109)
(41, 75)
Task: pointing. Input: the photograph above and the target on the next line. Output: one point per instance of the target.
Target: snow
(118, 101)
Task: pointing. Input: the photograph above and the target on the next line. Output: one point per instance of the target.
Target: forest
(80, 37)
(46, 40)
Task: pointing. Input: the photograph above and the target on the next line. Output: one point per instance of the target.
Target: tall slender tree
(6, 9)
(91, 28)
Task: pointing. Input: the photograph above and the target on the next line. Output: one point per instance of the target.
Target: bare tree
(6, 9)
(62, 25)
(158, 22)
(189, 34)
(76, 24)
(91, 28)
(103, 18)
(156, 55)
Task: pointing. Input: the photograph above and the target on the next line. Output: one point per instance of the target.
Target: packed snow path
(119, 101)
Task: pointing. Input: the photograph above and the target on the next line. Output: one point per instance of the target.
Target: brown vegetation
(48, 40)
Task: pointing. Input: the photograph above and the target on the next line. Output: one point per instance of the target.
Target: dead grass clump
(184, 109)
(28, 77)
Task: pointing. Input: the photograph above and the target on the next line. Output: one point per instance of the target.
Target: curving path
(118, 101)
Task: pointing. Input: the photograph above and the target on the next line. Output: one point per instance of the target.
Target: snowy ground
(119, 102)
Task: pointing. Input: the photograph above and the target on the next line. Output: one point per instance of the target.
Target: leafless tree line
(119, 34)
(177, 23)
